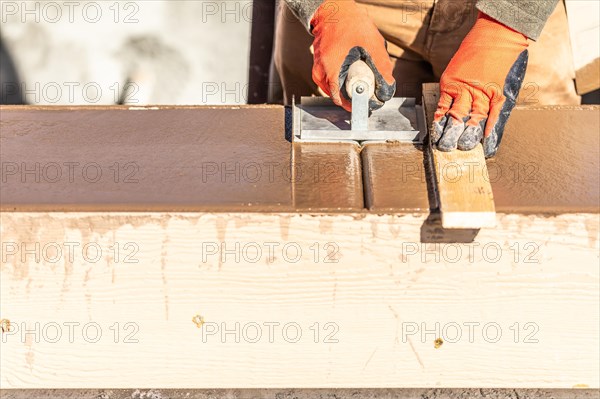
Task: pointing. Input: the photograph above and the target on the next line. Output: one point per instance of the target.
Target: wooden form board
(465, 196)
(375, 291)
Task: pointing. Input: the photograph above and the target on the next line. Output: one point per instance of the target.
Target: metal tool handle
(360, 86)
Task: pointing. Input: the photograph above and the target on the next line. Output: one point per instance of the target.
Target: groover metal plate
(319, 119)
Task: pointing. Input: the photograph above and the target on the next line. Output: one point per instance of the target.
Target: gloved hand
(343, 35)
(480, 87)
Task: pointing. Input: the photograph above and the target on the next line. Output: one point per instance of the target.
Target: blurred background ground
(145, 52)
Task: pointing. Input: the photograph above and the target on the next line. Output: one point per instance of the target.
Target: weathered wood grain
(385, 283)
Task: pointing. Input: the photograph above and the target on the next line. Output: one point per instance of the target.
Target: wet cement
(395, 179)
(324, 171)
(168, 159)
(238, 159)
(548, 163)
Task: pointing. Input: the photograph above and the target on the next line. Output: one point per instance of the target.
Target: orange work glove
(344, 34)
(480, 87)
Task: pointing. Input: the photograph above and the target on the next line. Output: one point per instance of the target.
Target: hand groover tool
(318, 119)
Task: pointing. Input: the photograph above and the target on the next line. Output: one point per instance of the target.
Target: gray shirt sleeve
(525, 16)
(304, 9)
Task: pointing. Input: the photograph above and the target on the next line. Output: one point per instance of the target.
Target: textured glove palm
(479, 87)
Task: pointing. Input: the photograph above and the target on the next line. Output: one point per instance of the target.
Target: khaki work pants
(422, 37)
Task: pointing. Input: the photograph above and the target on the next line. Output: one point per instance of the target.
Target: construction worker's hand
(344, 34)
(480, 87)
